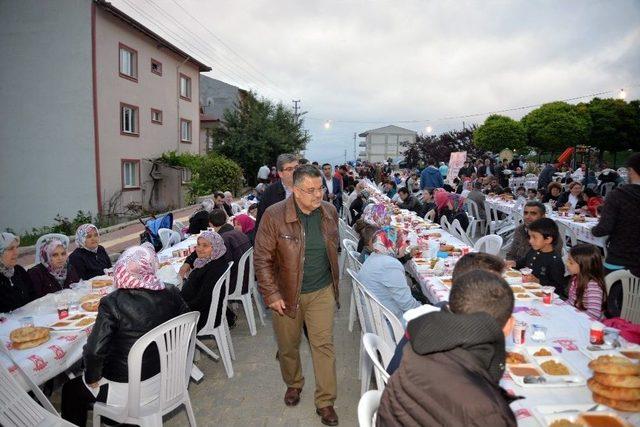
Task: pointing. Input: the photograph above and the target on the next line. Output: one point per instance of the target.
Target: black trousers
(77, 400)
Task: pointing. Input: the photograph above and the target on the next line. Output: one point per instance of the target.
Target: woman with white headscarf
(140, 303)
(54, 273)
(89, 258)
(208, 267)
(16, 288)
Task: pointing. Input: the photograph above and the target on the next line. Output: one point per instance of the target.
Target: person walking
(279, 190)
(296, 261)
(431, 177)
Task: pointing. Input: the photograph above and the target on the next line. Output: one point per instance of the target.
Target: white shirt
(263, 172)
(328, 182)
(573, 200)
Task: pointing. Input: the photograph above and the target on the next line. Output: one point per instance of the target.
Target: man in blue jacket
(431, 177)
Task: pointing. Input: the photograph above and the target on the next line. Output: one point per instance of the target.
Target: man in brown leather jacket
(296, 261)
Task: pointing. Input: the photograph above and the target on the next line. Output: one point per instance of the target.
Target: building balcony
(362, 144)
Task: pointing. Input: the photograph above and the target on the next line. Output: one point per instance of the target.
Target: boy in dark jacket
(451, 370)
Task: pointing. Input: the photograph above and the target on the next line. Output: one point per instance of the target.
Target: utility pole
(345, 156)
(295, 107)
(355, 157)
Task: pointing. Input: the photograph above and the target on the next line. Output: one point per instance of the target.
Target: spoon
(531, 379)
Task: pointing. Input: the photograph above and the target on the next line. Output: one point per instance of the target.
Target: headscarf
(245, 222)
(208, 205)
(218, 245)
(442, 199)
(81, 236)
(6, 240)
(377, 214)
(136, 269)
(388, 241)
(46, 252)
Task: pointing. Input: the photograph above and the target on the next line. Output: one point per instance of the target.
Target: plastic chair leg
(248, 311)
(221, 339)
(259, 306)
(227, 334)
(207, 350)
(189, 409)
(352, 310)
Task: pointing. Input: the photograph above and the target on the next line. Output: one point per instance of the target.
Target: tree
(557, 125)
(500, 132)
(616, 125)
(256, 132)
(440, 147)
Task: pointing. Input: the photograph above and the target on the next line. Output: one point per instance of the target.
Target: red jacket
(593, 203)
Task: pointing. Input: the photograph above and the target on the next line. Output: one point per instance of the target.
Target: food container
(596, 333)
(538, 333)
(519, 332)
(547, 295)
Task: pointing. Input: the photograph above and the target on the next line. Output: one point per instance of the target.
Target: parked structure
(90, 96)
(385, 142)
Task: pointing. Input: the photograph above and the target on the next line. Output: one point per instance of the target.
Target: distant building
(215, 98)
(384, 143)
(89, 97)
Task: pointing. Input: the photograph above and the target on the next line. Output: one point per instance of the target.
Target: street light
(622, 94)
(327, 124)
(429, 129)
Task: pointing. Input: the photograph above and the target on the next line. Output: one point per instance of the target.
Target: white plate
(546, 414)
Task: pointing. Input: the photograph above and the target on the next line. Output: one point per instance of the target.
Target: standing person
(619, 221)
(296, 260)
(430, 177)
(333, 187)
(263, 174)
(444, 170)
(273, 175)
(280, 190)
(89, 258)
(546, 176)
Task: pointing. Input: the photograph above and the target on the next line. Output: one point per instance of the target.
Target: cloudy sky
(365, 64)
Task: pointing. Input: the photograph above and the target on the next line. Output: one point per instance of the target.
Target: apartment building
(89, 98)
(386, 142)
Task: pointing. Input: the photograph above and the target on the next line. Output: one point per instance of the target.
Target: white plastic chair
(477, 223)
(376, 349)
(368, 407)
(350, 246)
(490, 244)
(444, 223)
(168, 237)
(606, 188)
(242, 291)
(630, 293)
(179, 226)
(366, 324)
(457, 231)
(219, 329)
(45, 238)
(235, 208)
(175, 340)
(347, 244)
(431, 215)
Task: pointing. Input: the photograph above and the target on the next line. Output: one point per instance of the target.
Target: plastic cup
(26, 322)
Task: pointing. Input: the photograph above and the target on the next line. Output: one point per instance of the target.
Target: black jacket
(89, 264)
(548, 267)
(124, 316)
(410, 203)
(546, 176)
(273, 194)
(198, 287)
(198, 222)
(44, 283)
(563, 199)
(17, 291)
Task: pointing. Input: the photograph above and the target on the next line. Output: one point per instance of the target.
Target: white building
(384, 143)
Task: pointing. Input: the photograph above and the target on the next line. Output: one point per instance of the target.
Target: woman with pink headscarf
(450, 205)
(54, 273)
(140, 303)
(208, 267)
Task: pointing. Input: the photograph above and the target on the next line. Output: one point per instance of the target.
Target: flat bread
(620, 405)
(29, 344)
(90, 297)
(91, 305)
(626, 381)
(28, 333)
(616, 393)
(101, 283)
(616, 365)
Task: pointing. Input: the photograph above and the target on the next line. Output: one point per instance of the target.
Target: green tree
(256, 132)
(557, 125)
(616, 124)
(500, 132)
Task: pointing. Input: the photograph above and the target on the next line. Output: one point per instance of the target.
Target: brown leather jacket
(279, 252)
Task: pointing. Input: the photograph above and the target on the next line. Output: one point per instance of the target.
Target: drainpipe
(178, 104)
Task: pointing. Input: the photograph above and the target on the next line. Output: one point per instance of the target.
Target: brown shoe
(292, 396)
(328, 416)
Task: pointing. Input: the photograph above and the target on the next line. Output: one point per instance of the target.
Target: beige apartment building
(94, 98)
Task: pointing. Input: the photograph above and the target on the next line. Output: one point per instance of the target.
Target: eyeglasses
(290, 169)
(313, 191)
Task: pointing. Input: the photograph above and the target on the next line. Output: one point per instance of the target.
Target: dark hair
(303, 161)
(477, 185)
(590, 192)
(521, 188)
(218, 194)
(367, 232)
(403, 190)
(218, 217)
(359, 225)
(633, 162)
(305, 171)
(554, 185)
(536, 204)
(547, 227)
(350, 189)
(482, 291)
(325, 164)
(478, 261)
(431, 162)
(589, 261)
(252, 207)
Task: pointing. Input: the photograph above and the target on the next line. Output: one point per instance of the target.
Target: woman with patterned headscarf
(450, 205)
(383, 274)
(16, 288)
(89, 258)
(140, 303)
(54, 273)
(208, 267)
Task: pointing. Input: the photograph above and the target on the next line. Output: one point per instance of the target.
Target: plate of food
(615, 382)
(90, 302)
(577, 415)
(523, 296)
(100, 282)
(531, 285)
(446, 280)
(28, 337)
(517, 357)
(516, 289)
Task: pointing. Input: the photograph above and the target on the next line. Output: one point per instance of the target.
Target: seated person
(140, 303)
(543, 258)
(222, 202)
(592, 201)
(451, 369)
(426, 204)
(554, 190)
(407, 200)
(477, 196)
(54, 273)
(518, 173)
(382, 274)
(199, 220)
(532, 194)
(389, 188)
(450, 205)
(357, 206)
(521, 192)
(246, 222)
(89, 258)
(208, 267)
(365, 248)
(16, 288)
(572, 198)
(520, 246)
(587, 289)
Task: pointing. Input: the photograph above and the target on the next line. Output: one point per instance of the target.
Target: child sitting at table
(543, 259)
(587, 291)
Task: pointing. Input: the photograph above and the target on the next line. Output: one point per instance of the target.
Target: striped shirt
(591, 299)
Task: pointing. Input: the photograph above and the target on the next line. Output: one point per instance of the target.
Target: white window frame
(186, 131)
(128, 62)
(130, 174)
(129, 122)
(185, 87)
(156, 120)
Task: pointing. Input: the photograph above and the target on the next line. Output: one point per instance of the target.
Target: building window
(128, 63)
(186, 176)
(185, 130)
(185, 87)
(130, 174)
(156, 67)
(129, 120)
(156, 116)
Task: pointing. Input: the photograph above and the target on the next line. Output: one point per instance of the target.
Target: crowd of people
(291, 220)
